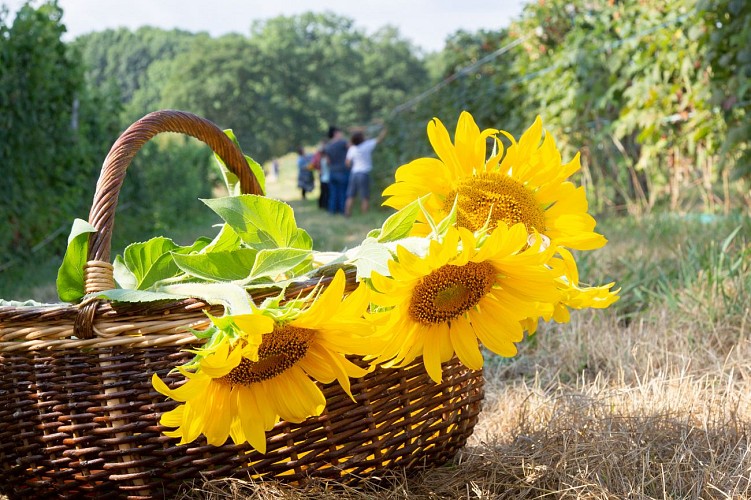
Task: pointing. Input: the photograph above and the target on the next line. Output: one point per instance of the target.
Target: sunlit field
(648, 399)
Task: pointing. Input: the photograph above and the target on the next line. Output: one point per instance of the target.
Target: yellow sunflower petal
(441, 142)
(254, 323)
(328, 300)
(316, 364)
(295, 396)
(221, 362)
(490, 338)
(218, 417)
(444, 341)
(561, 314)
(431, 356)
(469, 150)
(249, 417)
(193, 422)
(464, 341)
(494, 318)
(173, 418)
(190, 389)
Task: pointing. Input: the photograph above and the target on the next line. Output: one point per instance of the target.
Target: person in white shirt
(360, 162)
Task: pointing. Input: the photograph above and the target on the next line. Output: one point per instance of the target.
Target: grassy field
(649, 399)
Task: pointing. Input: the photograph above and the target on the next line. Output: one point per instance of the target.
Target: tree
(728, 54)
(123, 57)
(49, 131)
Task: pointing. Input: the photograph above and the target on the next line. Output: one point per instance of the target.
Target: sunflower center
(278, 352)
(449, 291)
(494, 197)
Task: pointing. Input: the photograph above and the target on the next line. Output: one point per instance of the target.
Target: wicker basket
(79, 417)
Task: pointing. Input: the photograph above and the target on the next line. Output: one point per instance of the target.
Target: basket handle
(110, 182)
(98, 272)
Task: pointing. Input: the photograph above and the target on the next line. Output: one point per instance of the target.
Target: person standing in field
(305, 179)
(336, 153)
(323, 178)
(360, 162)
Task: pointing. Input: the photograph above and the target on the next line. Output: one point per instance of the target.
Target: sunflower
(240, 390)
(574, 295)
(442, 303)
(528, 184)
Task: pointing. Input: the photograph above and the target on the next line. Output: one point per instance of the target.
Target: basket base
(79, 424)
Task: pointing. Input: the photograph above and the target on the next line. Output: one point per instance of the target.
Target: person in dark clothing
(336, 153)
(321, 163)
(305, 179)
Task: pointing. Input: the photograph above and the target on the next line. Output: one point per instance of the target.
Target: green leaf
(400, 224)
(122, 295)
(257, 170)
(449, 220)
(262, 223)
(230, 179)
(124, 277)
(231, 296)
(226, 240)
(147, 263)
(151, 261)
(218, 266)
(368, 257)
(271, 263)
(727, 241)
(70, 284)
(438, 229)
(301, 240)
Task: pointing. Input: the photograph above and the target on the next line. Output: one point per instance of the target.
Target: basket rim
(121, 324)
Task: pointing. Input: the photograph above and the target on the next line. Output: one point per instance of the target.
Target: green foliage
(655, 96)
(728, 53)
(123, 58)
(70, 278)
(51, 129)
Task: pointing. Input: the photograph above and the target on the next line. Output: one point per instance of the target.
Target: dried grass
(658, 408)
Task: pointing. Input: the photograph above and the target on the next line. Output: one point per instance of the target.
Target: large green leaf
(218, 266)
(147, 263)
(151, 261)
(262, 223)
(272, 263)
(70, 284)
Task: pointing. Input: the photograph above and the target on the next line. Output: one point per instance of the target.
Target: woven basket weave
(79, 417)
